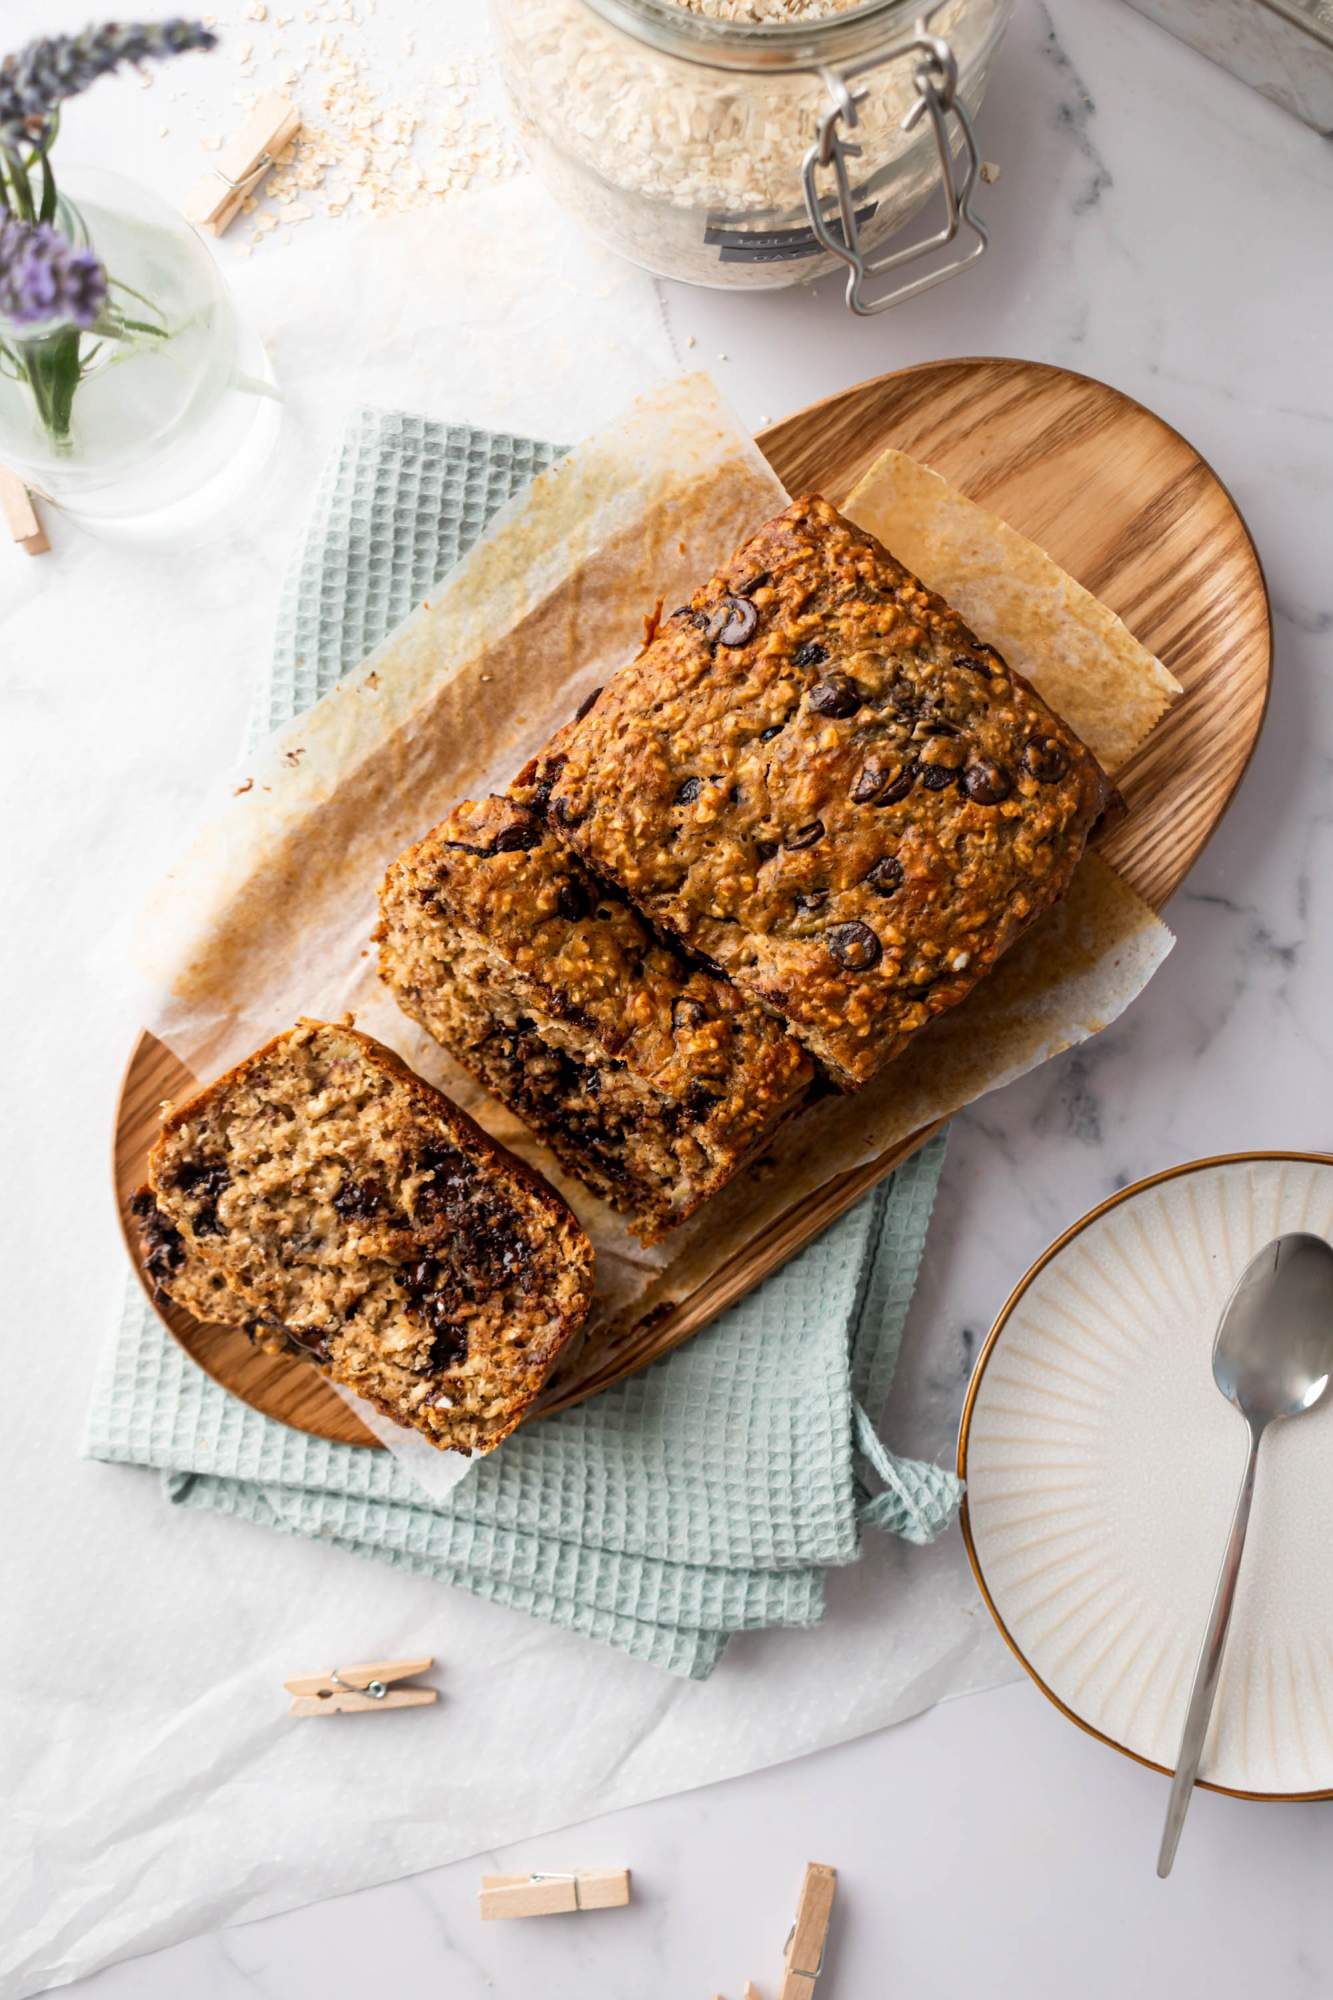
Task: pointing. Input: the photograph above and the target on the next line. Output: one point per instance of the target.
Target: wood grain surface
(1128, 507)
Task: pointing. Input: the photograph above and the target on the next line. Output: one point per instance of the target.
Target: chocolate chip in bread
(336, 1206)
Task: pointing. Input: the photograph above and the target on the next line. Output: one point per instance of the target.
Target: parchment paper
(270, 913)
(1079, 656)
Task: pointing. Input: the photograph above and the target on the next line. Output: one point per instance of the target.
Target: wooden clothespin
(360, 1690)
(805, 1943)
(215, 200)
(21, 515)
(553, 1895)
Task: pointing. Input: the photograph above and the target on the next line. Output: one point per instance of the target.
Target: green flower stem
(36, 378)
(53, 372)
(18, 182)
(66, 375)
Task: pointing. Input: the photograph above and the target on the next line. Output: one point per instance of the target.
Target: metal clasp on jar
(936, 81)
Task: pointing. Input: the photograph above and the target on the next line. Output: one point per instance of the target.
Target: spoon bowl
(1273, 1355)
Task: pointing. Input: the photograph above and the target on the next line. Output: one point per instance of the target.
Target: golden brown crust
(650, 1078)
(334, 1204)
(819, 779)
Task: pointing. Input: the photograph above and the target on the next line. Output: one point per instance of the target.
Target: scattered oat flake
(989, 171)
(689, 340)
(364, 153)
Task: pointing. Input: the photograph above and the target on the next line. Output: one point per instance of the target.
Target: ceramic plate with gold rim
(1102, 1465)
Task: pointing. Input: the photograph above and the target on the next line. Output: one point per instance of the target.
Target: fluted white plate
(1102, 1466)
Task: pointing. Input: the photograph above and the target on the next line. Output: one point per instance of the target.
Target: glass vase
(155, 430)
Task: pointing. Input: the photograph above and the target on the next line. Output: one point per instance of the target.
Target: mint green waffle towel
(703, 1497)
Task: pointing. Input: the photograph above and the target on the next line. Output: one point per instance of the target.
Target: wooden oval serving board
(1126, 506)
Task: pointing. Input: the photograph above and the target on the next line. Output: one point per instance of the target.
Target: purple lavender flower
(45, 72)
(44, 280)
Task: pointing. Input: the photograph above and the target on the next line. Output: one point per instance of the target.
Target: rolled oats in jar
(705, 139)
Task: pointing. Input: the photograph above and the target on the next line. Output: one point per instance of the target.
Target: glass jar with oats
(758, 143)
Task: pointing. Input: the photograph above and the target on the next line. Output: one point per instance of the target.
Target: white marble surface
(1157, 225)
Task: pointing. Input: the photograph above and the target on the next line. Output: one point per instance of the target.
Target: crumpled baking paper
(270, 913)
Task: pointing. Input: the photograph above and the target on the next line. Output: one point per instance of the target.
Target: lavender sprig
(44, 279)
(37, 80)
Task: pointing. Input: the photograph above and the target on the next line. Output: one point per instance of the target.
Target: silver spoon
(1272, 1358)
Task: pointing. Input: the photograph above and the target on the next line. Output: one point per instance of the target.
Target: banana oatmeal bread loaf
(650, 1079)
(821, 782)
(336, 1206)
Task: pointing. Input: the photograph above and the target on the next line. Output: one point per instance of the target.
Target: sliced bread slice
(328, 1200)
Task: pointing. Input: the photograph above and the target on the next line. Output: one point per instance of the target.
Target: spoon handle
(1209, 1667)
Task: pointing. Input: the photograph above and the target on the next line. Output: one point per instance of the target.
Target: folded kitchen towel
(706, 1495)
